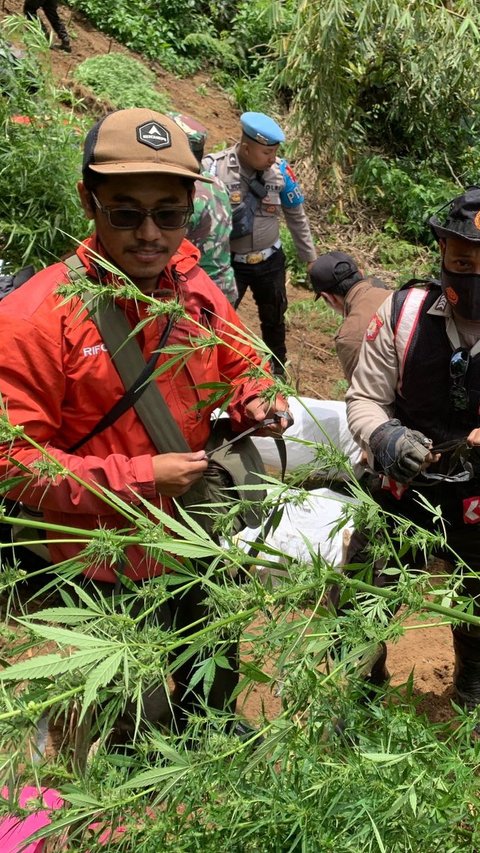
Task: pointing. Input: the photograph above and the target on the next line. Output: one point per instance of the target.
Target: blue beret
(262, 128)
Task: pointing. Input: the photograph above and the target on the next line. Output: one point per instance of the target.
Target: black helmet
(463, 218)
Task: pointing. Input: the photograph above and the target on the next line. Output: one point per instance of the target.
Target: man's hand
(260, 410)
(473, 439)
(174, 473)
(400, 452)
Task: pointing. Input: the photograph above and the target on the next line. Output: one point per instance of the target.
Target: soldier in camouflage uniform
(211, 222)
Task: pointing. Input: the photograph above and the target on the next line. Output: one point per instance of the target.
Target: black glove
(399, 452)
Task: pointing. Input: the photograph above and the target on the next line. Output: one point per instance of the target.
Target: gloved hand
(399, 452)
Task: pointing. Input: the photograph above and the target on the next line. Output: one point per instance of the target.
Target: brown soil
(426, 651)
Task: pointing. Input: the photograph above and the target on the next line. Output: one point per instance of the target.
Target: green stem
(42, 706)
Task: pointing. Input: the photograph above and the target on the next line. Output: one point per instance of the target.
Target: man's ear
(442, 245)
(244, 147)
(328, 298)
(336, 302)
(86, 200)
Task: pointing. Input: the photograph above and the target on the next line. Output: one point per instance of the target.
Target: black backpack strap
(401, 294)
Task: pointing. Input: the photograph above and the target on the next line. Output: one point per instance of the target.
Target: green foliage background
(383, 95)
(40, 160)
(124, 81)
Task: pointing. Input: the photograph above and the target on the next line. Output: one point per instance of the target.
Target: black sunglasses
(167, 218)
(458, 370)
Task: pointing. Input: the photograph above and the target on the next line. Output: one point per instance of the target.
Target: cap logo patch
(154, 135)
(476, 221)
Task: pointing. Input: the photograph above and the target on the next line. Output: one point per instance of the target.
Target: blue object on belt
(257, 257)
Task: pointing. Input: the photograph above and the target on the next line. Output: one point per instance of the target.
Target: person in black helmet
(30, 10)
(414, 406)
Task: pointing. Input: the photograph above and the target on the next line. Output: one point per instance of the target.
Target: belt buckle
(254, 258)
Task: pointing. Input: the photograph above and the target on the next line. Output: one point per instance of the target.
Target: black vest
(423, 401)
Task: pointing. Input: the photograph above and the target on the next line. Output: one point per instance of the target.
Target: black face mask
(463, 293)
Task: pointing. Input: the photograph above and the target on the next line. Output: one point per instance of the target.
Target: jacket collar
(182, 262)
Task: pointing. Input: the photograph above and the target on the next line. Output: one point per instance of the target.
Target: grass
(123, 81)
(315, 314)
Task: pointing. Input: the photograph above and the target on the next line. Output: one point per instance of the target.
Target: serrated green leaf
(67, 615)
(159, 774)
(161, 745)
(63, 636)
(100, 676)
(205, 671)
(383, 757)
(45, 666)
(80, 798)
(253, 673)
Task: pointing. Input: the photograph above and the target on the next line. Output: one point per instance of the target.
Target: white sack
(312, 521)
(318, 421)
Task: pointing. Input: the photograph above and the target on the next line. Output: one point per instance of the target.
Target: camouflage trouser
(267, 283)
(30, 9)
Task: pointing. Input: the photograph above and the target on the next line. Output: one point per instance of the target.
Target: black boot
(379, 674)
(466, 677)
(62, 34)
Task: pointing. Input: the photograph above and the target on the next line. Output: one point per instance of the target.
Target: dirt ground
(426, 651)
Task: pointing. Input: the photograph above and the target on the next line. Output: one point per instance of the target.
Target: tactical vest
(424, 350)
(225, 165)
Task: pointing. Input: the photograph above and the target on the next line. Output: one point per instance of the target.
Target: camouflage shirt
(209, 230)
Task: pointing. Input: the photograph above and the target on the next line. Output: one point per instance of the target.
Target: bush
(297, 269)
(40, 157)
(393, 73)
(154, 29)
(406, 194)
(124, 81)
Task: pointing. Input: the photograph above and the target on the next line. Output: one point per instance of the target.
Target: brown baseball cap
(140, 140)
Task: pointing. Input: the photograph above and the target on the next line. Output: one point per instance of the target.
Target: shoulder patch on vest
(373, 328)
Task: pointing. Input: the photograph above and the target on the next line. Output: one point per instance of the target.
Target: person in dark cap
(60, 382)
(336, 278)
(211, 220)
(414, 406)
(262, 187)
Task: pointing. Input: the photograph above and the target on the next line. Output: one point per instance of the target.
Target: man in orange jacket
(58, 379)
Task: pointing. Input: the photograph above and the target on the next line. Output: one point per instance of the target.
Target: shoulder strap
(128, 359)
(134, 372)
(151, 406)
